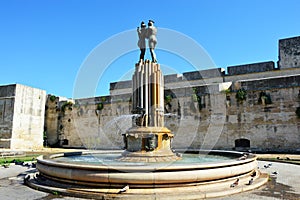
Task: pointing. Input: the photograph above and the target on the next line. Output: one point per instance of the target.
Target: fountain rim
(49, 160)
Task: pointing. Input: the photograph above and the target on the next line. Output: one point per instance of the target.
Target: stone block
(24, 106)
(7, 90)
(120, 85)
(272, 83)
(251, 68)
(172, 78)
(204, 74)
(289, 53)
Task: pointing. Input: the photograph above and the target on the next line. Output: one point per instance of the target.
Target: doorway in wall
(242, 144)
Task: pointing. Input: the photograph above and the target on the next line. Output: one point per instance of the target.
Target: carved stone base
(148, 144)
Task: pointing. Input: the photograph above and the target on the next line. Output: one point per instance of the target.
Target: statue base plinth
(148, 144)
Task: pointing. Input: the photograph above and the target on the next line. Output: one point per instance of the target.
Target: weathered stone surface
(22, 117)
(251, 68)
(289, 52)
(203, 74)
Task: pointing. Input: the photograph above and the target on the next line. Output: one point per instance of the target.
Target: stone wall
(51, 120)
(221, 120)
(262, 75)
(267, 117)
(28, 121)
(23, 111)
(7, 100)
(251, 68)
(204, 74)
(203, 110)
(121, 87)
(204, 116)
(86, 124)
(289, 53)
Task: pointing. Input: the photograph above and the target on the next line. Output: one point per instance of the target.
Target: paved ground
(12, 188)
(284, 185)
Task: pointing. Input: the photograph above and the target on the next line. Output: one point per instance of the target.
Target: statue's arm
(138, 31)
(154, 30)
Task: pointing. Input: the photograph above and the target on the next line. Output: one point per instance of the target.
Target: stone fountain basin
(147, 175)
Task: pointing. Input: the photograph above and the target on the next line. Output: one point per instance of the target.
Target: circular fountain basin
(97, 168)
(197, 171)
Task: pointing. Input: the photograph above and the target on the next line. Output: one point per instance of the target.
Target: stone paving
(12, 188)
(283, 185)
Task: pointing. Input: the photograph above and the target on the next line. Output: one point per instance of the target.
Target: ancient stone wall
(201, 112)
(121, 87)
(261, 75)
(289, 53)
(7, 100)
(94, 123)
(251, 68)
(205, 116)
(252, 107)
(51, 120)
(22, 111)
(28, 120)
(267, 117)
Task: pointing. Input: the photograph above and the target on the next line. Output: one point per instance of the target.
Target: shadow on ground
(278, 190)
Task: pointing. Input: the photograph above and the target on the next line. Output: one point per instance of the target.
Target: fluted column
(147, 94)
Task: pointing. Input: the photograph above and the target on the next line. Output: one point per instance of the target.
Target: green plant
(8, 160)
(199, 102)
(298, 112)
(269, 179)
(99, 106)
(226, 91)
(168, 99)
(103, 99)
(52, 98)
(55, 192)
(241, 95)
(264, 97)
(197, 98)
(45, 138)
(67, 104)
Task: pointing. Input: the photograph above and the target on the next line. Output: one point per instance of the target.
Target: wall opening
(242, 144)
(65, 142)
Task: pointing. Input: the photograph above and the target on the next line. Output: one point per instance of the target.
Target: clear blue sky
(43, 43)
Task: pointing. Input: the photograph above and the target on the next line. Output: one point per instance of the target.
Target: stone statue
(150, 34)
(152, 41)
(142, 33)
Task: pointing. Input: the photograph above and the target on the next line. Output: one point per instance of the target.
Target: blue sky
(44, 43)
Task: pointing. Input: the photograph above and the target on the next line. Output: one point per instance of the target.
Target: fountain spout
(139, 118)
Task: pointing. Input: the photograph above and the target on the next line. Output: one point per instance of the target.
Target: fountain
(148, 140)
(148, 168)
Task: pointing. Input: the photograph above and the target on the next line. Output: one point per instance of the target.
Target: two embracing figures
(150, 34)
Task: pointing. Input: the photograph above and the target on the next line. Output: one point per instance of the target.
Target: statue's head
(150, 23)
(143, 25)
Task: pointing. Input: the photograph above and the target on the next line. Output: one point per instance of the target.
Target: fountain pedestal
(148, 144)
(148, 140)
